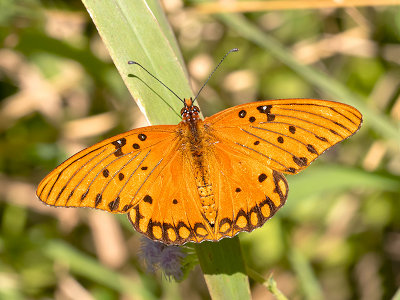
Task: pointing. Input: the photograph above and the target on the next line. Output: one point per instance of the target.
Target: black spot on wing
(321, 138)
(291, 170)
(127, 207)
(262, 177)
(300, 161)
(113, 205)
(266, 109)
(118, 145)
(311, 149)
(148, 199)
(99, 197)
(142, 137)
(84, 194)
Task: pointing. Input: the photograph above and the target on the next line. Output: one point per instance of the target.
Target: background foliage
(336, 238)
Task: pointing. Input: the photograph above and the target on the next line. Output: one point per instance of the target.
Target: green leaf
(137, 30)
(224, 269)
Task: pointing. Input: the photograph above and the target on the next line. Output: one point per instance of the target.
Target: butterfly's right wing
(110, 174)
(141, 172)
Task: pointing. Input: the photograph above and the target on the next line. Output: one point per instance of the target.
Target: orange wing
(247, 191)
(246, 194)
(286, 135)
(174, 217)
(110, 174)
(254, 142)
(148, 172)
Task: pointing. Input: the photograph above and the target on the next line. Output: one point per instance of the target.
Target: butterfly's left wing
(286, 135)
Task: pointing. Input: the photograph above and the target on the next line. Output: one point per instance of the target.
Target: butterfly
(202, 179)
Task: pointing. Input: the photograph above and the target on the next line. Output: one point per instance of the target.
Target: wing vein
(314, 114)
(73, 175)
(326, 106)
(87, 173)
(252, 134)
(146, 179)
(290, 124)
(327, 128)
(262, 154)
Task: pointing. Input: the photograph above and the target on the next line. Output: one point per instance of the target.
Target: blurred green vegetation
(338, 235)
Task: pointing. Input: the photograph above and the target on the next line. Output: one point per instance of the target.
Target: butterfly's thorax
(196, 143)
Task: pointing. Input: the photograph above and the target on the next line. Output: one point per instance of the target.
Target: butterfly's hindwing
(251, 192)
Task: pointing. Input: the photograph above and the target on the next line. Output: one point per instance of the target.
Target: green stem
(224, 269)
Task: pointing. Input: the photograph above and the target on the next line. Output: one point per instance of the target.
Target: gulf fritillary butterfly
(202, 179)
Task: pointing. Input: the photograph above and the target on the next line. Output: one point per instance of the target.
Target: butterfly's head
(190, 112)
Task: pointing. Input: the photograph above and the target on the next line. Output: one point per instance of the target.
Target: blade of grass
(222, 265)
(308, 281)
(138, 30)
(327, 84)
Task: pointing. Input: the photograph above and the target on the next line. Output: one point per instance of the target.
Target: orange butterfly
(202, 179)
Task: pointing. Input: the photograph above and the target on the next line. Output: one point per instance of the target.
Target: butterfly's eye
(183, 111)
(196, 109)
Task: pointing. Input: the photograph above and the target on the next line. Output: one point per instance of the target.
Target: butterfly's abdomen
(198, 144)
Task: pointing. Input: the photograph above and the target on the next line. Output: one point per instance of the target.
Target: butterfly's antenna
(232, 50)
(131, 62)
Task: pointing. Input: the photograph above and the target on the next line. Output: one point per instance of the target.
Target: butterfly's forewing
(110, 174)
(287, 135)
